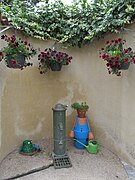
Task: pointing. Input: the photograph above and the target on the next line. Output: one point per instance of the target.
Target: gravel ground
(85, 166)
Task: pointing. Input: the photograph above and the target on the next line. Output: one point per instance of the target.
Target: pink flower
(126, 60)
(103, 56)
(125, 50)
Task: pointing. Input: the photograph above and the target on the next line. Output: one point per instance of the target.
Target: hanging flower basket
(17, 52)
(18, 63)
(116, 56)
(56, 66)
(52, 59)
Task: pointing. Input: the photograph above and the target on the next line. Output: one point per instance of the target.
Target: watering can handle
(80, 142)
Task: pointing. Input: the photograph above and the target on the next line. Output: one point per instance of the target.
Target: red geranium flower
(107, 42)
(26, 43)
(119, 39)
(125, 50)
(126, 60)
(1, 54)
(112, 58)
(103, 56)
(13, 61)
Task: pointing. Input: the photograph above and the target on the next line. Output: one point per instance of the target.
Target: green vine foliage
(74, 25)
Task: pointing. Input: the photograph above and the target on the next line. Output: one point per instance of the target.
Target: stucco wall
(27, 98)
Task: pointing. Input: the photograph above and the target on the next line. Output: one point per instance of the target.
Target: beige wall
(27, 98)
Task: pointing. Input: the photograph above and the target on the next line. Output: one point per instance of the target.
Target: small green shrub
(81, 106)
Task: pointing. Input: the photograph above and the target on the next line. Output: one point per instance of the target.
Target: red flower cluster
(50, 56)
(115, 54)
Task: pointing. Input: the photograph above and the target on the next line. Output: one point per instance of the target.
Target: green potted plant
(116, 56)
(17, 52)
(81, 108)
(52, 59)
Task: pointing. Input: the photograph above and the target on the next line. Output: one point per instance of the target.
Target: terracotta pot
(81, 113)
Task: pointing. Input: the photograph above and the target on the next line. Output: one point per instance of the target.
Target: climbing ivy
(74, 25)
